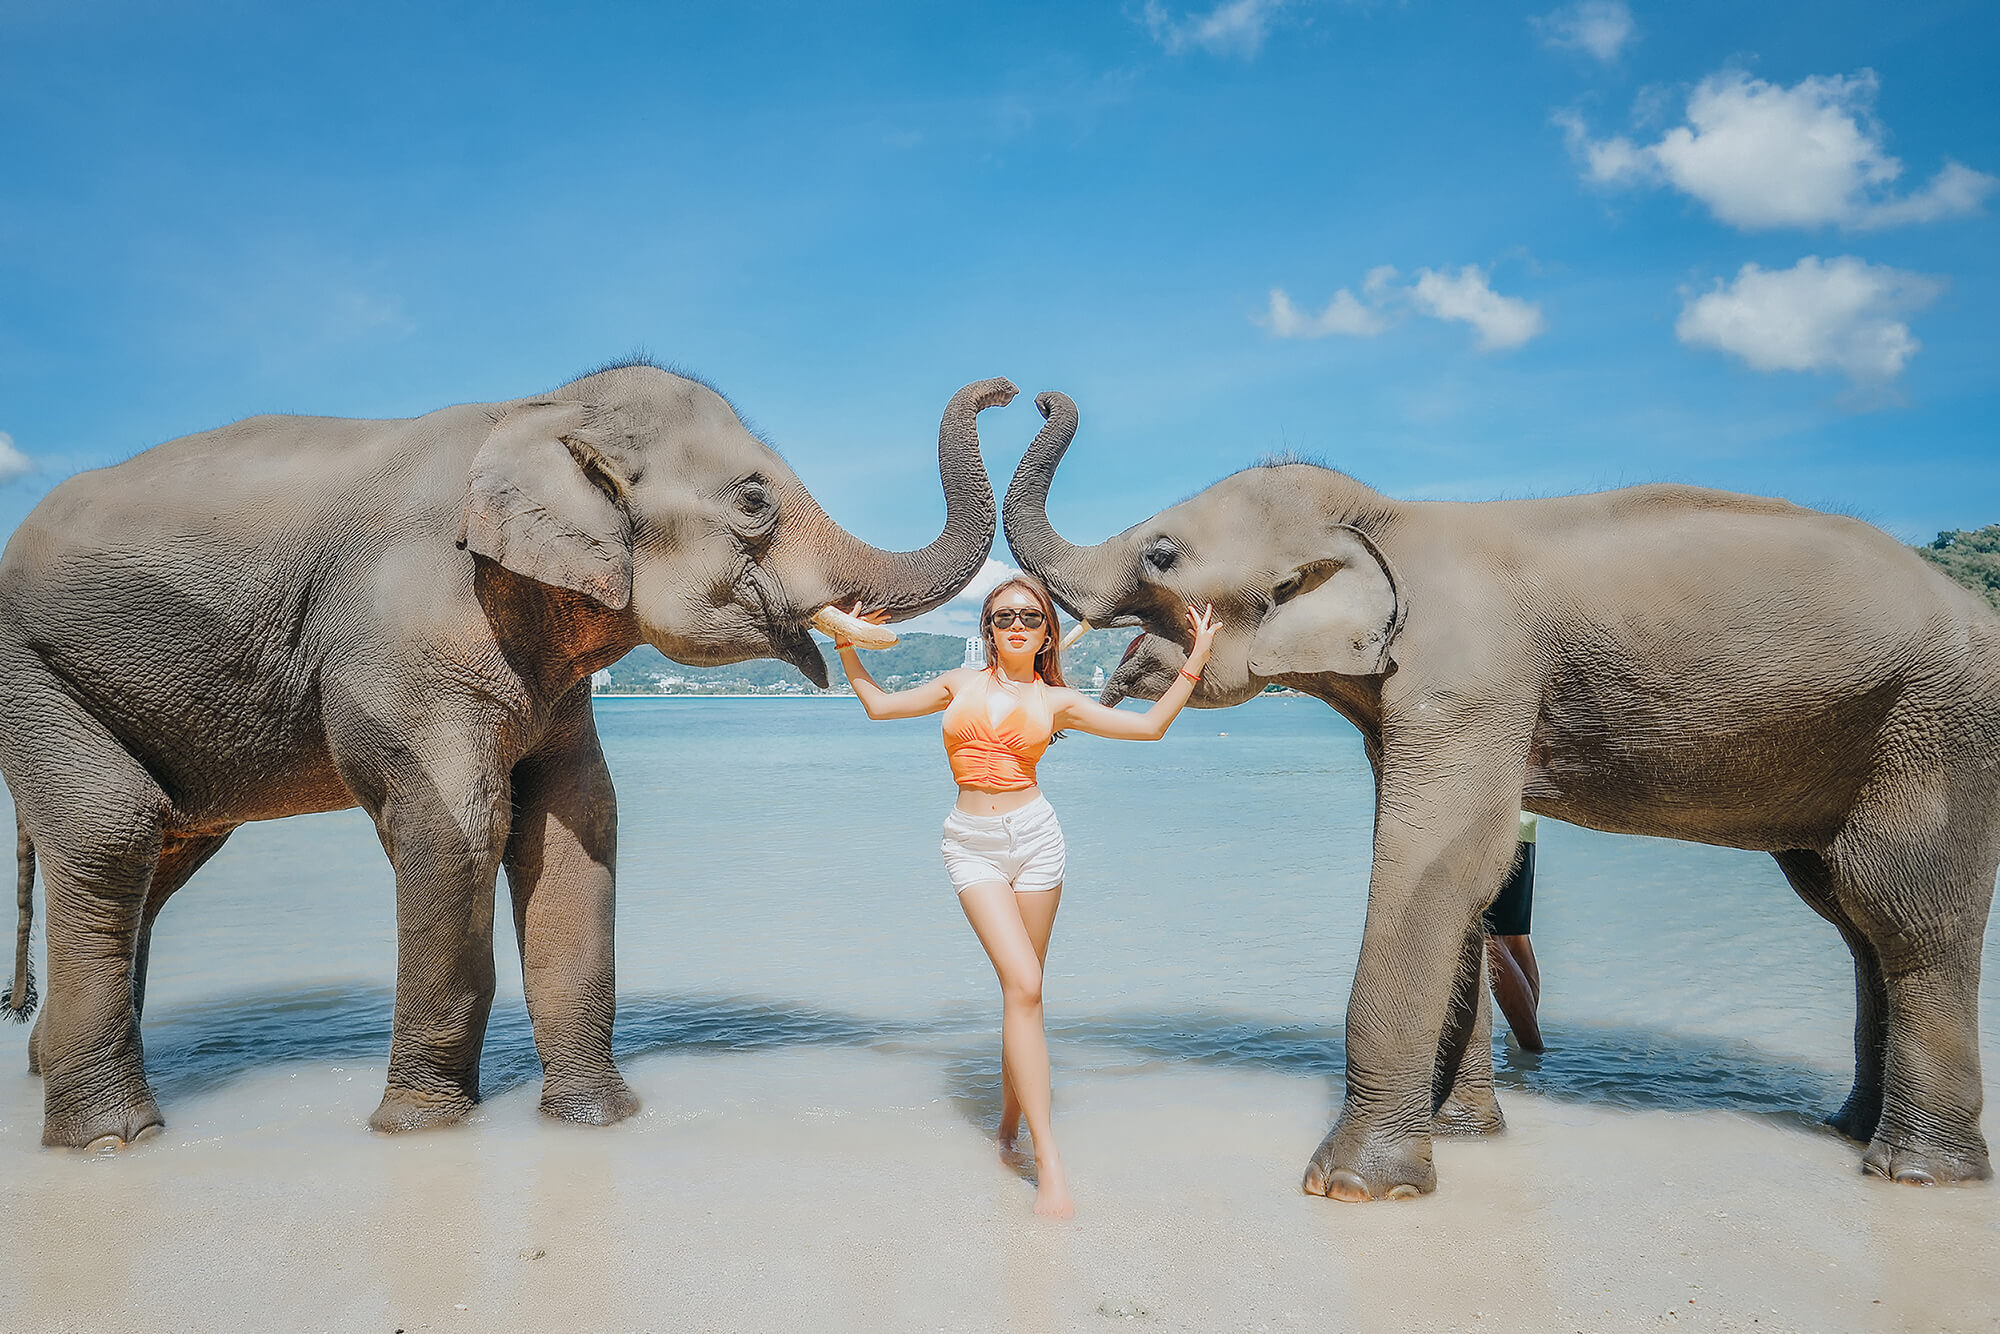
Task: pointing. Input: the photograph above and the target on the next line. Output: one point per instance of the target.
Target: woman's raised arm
(915, 702)
(1087, 715)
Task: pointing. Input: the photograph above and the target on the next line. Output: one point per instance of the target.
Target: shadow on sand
(194, 1049)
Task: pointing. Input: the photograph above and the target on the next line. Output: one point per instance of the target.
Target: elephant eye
(757, 511)
(1287, 589)
(753, 497)
(1161, 554)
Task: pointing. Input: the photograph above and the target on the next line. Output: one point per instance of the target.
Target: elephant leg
(96, 817)
(440, 809)
(1462, 1083)
(1444, 836)
(1813, 880)
(561, 857)
(180, 858)
(1923, 910)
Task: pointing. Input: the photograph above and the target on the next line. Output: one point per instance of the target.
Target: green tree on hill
(1972, 558)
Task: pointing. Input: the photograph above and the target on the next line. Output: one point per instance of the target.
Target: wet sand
(814, 1188)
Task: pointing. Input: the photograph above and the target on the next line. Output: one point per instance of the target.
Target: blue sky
(1580, 246)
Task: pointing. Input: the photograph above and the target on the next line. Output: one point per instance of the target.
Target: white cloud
(1819, 315)
(1760, 155)
(960, 616)
(1344, 314)
(13, 463)
(1600, 27)
(1502, 321)
(1235, 27)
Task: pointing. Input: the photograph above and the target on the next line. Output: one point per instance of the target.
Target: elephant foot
(416, 1109)
(1466, 1116)
(110, 1131)
(1857, 1117)
(1357, 1168)
(605, 1103)
(1921, 1165)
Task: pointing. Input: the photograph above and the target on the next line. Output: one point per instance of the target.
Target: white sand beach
(815, 1189)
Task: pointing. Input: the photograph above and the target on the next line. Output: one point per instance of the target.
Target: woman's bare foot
(1052, 1191)
(1011, 1154)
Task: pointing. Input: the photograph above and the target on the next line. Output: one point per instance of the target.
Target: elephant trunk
(910, 583)
(18, 1001)
(1074, 575)
(1146, 671)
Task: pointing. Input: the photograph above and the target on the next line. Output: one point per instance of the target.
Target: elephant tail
(18, 1001)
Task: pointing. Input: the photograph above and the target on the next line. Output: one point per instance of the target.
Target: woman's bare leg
(996, 917)
(1038, 914)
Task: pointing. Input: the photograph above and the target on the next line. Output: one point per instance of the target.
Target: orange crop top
(998, 756)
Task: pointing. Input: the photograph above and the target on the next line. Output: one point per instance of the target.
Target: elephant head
(1284, 552)
(644, 491)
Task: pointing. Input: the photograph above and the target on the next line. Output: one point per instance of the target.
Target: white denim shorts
(1024, 848)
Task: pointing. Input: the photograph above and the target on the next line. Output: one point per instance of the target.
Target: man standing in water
(1510, 959)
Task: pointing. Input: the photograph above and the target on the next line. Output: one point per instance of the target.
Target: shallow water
(782, 909)
(780, 885)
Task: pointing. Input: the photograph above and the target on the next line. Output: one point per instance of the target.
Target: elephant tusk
(1082, 629)
(846, 628)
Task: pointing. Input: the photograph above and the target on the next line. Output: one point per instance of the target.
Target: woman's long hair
(1048, 658)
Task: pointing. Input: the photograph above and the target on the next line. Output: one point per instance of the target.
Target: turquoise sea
(779, 883)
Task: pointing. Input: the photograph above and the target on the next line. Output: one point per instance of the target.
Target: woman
(1002, 846)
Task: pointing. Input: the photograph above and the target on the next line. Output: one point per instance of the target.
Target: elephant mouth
(790, 640)
(795, 646)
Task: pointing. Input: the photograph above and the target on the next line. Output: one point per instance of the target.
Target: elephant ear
(538, 504)
(1338, 613)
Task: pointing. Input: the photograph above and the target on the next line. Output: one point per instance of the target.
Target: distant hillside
(647, 671)
(1972, 558)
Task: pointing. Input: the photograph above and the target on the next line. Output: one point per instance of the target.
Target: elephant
(1661, 660)
(297, 614)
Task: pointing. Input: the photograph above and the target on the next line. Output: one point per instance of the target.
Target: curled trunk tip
(1073, 574)
(910, 583)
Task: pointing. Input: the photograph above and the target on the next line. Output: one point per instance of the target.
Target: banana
(846, 628)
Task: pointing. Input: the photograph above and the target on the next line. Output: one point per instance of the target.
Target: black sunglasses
(1028, 617)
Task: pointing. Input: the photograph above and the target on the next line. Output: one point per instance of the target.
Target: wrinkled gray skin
(298, 614)
(1661, 660)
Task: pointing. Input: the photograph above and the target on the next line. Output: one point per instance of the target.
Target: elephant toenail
(105, 1144)
(1404, 1192)
(1915, 1176)
(1348, 1186)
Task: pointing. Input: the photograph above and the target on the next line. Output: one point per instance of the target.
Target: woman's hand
(1204, 625)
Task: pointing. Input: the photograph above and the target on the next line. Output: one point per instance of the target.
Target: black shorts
(1508, 914)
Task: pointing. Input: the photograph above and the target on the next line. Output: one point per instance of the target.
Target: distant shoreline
(1287, 693)
(654, 694)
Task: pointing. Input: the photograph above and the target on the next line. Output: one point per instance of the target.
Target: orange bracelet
(1195, 679)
